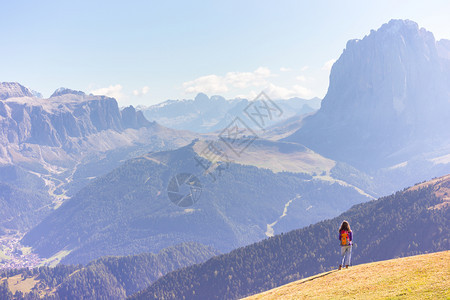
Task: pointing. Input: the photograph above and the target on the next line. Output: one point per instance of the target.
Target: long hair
(345, 226)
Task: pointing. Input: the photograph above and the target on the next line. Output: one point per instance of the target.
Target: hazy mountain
(204, 114)
(62, 120)
(406, 223)
(55, 146)
(128, 210)
(388, 101)
(443, 48)
(64, 91)
(13, 89)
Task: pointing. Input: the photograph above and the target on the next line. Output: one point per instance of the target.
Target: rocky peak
(60, 122)
(13, 90)
(387, 91)
(133, 119)
(64, 91)
(37, 94)
(396, 64)
(201, 98)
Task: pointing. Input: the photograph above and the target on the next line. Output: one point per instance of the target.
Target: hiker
(346, 238)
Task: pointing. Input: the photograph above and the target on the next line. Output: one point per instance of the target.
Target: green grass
(55, 259)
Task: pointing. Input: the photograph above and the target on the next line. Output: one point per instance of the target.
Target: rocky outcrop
(13, 89)
(64, 91)
(388, 99)
(66, 115)
(133, 119)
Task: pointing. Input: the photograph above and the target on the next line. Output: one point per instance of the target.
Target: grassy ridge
(424, 276)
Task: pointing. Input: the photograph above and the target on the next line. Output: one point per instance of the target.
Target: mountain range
(205, 114)
(52, 147)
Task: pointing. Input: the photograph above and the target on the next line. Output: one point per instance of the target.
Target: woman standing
(346, 238)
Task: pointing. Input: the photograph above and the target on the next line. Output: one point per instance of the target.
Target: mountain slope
(387, 101)
(55, 146)
(108, 277)
(424, 276)
(128, 210)
(409, 222)
(13, 89)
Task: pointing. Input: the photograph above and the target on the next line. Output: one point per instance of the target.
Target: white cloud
(302, 92)
(279, 92)
(328, 64)
(210, 84)
(301, 78)
(282, 69)
(142, 91)
(247, 85)
(247, 79)
(249, 96)
(220, 84)
(114, 91)
(304, 68)
(305, 79)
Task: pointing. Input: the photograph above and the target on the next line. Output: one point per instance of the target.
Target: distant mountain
(13, 89)
(61, 143)
(410, 222)
(128, 210)
(64, 91)
(63, 119)
(105, 278)
(388, 101)
(204, 114)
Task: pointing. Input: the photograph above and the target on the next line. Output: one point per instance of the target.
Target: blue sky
(144, 52)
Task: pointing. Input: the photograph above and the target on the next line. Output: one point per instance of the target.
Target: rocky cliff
(58, 120)
(13, 89)
(388, 99)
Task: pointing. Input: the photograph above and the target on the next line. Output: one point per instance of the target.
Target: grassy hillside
(424, 276)
(410, 222)
(276, 156)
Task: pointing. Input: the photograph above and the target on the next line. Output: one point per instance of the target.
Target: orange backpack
(344, 238)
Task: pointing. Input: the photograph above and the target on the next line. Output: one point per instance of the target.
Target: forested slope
(406, 223)
(105, 278)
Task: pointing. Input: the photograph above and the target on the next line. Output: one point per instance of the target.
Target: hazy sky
(144, 52)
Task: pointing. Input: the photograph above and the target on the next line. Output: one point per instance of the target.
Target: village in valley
(14, 256)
